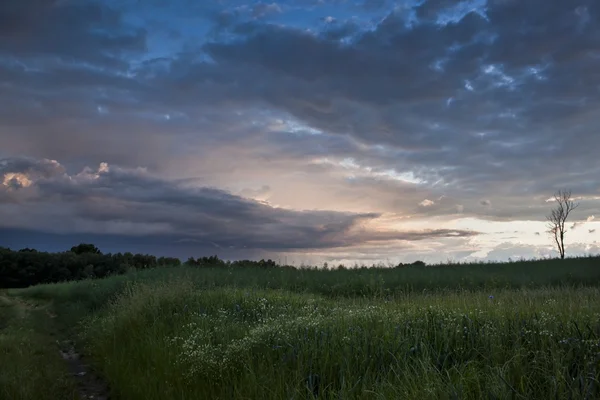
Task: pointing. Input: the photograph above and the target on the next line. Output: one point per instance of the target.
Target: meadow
(522, 330)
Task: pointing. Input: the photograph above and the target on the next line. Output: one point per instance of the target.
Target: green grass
(30, 364)
(343, 283)
(174, 341)
(408, 333)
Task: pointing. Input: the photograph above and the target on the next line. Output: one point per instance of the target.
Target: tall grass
(517, 330)
(172, 341)
(342, 283)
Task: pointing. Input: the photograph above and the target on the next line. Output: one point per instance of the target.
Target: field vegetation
(523, 330)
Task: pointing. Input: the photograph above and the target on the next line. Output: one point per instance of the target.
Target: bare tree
(558, 218)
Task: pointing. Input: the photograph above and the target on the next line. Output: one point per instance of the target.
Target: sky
(306, 131)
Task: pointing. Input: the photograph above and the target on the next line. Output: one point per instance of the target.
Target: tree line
(26, 267)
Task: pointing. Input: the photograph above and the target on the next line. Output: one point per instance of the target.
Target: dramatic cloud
(113, 200)
(382, 118)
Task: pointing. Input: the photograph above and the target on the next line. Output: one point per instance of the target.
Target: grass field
(30, 365)
(527, 330)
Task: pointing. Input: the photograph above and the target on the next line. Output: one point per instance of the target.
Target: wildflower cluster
(222, 338)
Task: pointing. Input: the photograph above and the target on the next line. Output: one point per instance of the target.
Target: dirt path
(43, 320)
(89, 385)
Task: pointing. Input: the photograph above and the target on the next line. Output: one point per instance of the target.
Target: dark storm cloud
(491, 99)
(491, 106)
(89, 32)
(16, 15)
(132, 197)
(35, 168)
(61, 63)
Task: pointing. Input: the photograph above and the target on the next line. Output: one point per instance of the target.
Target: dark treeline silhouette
(28, 267)
(215, 261)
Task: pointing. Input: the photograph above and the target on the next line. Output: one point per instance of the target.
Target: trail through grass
(30, 365)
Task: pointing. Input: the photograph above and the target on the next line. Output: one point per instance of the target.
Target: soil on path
(89, 385)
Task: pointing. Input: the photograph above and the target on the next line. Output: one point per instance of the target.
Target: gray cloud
(36, 168)
(113, 199)
(89, 32)
(498, 106)
(383, 90)
(260, 10)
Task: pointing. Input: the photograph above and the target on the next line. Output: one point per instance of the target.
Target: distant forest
(26, 267)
